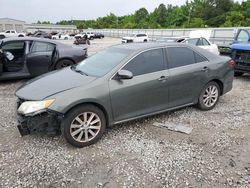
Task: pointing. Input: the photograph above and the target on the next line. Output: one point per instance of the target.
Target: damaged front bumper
(45, 122)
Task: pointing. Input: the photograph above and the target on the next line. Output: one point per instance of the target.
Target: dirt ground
(135, 154)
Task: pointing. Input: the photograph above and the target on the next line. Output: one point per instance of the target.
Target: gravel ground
(135, 154)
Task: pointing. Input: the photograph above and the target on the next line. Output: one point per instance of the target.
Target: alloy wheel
(210, 96)
(85, 127)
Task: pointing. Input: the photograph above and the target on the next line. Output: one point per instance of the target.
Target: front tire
(63, 63)
(209, 96)
(83, 126)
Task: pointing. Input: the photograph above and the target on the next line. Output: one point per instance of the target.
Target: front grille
(242, 56)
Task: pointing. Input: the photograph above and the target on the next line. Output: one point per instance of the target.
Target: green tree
(141, 15)
(234, 19)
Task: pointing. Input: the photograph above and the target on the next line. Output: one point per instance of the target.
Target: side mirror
(124, 74)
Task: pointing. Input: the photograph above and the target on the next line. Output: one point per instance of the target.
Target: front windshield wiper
(73, 67)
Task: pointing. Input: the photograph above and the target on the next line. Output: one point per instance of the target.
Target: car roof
(29, 39)
(145, 45)
(138, 47)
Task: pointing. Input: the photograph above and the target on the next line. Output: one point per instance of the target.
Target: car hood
(240, 46)
(52, 83)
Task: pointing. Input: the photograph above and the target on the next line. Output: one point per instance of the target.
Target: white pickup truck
(90, 35)
(11, 33)
(135, 38)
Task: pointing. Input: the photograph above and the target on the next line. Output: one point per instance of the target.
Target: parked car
(60, 36)
(240, 52)
(122, 83)
(98, 35)
(28, 56)
(40, 34)
(199, 41)
(202, 43)
(135, 38)
(90, 35)
(11, 33)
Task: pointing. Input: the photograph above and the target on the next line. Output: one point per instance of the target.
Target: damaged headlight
(34, 107)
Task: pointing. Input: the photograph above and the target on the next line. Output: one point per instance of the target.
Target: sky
(55, 10)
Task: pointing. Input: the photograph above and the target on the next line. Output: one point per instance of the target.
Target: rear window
(199, 58)
(42, 47)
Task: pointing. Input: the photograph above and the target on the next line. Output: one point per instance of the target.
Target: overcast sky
(55, 10)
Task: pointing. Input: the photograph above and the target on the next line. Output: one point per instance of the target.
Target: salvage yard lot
(135, 154)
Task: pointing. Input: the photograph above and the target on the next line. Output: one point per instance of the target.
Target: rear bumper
(228, 82)
(47, 122)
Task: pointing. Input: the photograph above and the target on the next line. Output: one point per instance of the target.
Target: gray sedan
(119, 84)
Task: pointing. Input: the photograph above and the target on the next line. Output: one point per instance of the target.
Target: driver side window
(146, 62)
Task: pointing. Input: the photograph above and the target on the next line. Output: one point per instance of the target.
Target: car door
(146, 92)
(188, 73)
(17, 52)
(39, 60)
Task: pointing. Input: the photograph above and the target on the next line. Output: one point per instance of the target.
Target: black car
(40, 34)
(99, 35)
(28, 56)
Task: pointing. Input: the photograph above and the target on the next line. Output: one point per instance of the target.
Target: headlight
(34, 106)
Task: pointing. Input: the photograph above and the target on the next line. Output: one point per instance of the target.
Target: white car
(90, 35)
(60, 36)
(203, 43)
(135, 38)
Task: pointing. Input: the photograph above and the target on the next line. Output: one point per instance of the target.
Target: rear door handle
(162, 78)
(205, 69)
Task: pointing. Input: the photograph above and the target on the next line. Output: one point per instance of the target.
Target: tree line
(193, 14)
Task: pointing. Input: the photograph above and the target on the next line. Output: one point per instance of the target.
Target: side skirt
(154, 113)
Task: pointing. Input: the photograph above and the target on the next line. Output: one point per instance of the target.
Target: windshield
(102, 62)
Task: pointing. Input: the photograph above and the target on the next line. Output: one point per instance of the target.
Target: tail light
(232, 63)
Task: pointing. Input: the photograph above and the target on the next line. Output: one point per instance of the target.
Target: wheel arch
(98, 105)
(2, 36)
(220, 83)
(61, 59)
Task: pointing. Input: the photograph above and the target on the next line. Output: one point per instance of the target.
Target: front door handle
(162, 78)
(205, 69)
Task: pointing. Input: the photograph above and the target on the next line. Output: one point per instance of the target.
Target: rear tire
(83, 126)
(63, 63)
(236, 74)
(209, 96)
